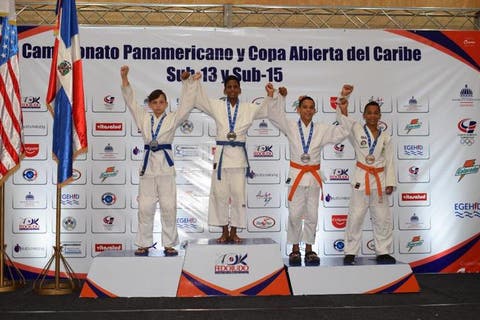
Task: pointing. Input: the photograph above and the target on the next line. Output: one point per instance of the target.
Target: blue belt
(163, 147)
(232, 144)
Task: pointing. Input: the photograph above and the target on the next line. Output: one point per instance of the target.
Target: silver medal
(231, 136)
(153, 144)
(305, 157)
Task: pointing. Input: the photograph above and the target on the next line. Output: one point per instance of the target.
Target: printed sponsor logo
(232, 263)
(264, 222)
(263, 151)
(31, 149)
(31, 102)
(467, 134)
(69, 223)
(414, 196)
(29, 224)
(106, 126)
(30, 174)
(100, 247)
(339, 221)
(339, 245)
(415, 242)
(467, 209)
(266, 197)
(469, 167)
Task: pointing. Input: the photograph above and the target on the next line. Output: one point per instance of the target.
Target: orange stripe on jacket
(371, 171)
(304, 169)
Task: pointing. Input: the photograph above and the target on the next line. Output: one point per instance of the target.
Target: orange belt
(374, 171)
(304, 169)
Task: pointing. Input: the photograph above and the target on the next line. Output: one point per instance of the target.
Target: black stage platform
(442, 296)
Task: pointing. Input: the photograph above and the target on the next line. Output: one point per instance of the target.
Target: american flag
(65, 92)
(11, 120)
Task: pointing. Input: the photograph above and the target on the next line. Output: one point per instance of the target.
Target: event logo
(339, 245)
(266, 197)
(263, 222)
(232, 263)
(339, 174)
(467, 128)
(69, 223)
(186, 127)
(29, 224)
(467, 209)
(415, 242)
(31, 102)
(109, 198)
(469, 167)
(30, 174)
(109, 172)
(414, 124)
(263, 151)
(339, 221)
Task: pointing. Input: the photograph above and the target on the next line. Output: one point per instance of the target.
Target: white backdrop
(430, 102)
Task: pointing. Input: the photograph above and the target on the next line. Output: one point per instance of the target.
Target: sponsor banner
(35, 150)
(108, 221)
(110, 173)
(108, 127)
(263, 196)
(413, 104)
(336, 195)
(191, 127)
(263, 128)
(108, 149)
(31, 173)
(413, 198)
(413, 126)
(32, 221)
(413, 171)
(263, 151)
(34, 124)
(74, 248)
(264, 173)
(411, 242)
(260, 221)
(343, 150)
(414, 218)
(34, 197)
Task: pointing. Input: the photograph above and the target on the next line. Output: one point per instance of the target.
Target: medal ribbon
(300, 130)
(371, 146)
(157, 130)
(231, 122)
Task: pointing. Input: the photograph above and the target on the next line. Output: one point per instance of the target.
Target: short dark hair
(156, 94)
(371, 103)
(231, 78)
(300, 101)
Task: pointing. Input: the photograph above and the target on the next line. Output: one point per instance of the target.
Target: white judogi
(230, 190)
(360, 202)
(304, 203)
(158, 183)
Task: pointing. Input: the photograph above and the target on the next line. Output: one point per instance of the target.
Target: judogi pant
(304, 206)
(161, 189)
(228, 195)
(382, 222)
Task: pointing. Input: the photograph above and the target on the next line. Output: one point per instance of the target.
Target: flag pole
(11, 277)
(67, 284)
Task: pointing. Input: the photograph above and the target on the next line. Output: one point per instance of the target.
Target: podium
(366, 276)
(122, 274)
(251, 268)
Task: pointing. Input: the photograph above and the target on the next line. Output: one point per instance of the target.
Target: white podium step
(122, 274)
(332, 277)
(253, 267)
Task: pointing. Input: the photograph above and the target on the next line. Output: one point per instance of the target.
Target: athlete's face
(372, 115)
(158, 105)
(306, 110)
(232, 90)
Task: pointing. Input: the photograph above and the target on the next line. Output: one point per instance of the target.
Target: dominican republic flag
(11, 120)
(65, 97)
